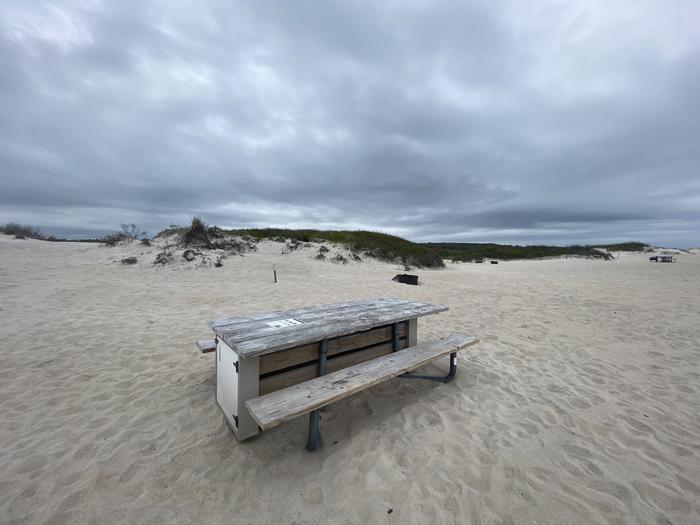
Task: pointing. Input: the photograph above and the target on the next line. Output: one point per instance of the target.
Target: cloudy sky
(505, 121)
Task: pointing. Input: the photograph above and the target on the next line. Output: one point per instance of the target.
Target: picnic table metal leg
(315, 416)
(314, 431)
(395, 337)
(440, 379)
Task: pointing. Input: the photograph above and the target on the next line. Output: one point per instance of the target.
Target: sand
(580, 404)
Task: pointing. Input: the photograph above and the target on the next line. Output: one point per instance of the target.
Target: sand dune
(578, 406)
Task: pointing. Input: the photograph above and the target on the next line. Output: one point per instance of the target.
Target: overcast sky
(528, 122)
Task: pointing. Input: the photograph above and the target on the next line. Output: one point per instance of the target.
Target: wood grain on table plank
(280, 339)
(257, 329)
(241, 321)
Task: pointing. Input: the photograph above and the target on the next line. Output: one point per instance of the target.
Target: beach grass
(378, 245)
(23, 231)
(471, 251)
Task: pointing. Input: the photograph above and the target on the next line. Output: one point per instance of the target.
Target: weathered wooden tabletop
(265, 333)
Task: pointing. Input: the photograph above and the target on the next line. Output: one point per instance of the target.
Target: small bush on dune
(250, 239)
(198, 225)
(171, 229)
(426, 260)
(197, 234)
(339, 258)
(215, 231)
(132, 232)
(24, 231)
(113, 238)
(163, 257)
(128, 232)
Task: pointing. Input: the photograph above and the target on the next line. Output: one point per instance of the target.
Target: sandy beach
(580, 404)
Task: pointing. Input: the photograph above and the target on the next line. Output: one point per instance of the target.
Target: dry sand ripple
(579, 405)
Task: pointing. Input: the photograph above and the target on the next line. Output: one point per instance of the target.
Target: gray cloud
(479, 121)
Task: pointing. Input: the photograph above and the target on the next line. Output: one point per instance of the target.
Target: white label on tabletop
(283, 323)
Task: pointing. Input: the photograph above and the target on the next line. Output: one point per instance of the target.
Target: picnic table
(273, 366)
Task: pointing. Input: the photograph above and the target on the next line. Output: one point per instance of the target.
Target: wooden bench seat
(276, 407)
(206, 345)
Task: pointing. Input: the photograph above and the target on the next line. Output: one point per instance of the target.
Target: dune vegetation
(458, 251)
(381, 246)
(21, 231)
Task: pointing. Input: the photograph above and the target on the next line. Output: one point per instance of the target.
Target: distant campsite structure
(406, 278)
(662, 258)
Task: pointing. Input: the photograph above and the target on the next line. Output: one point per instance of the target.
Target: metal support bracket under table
(315, 416)
(440, 379)
(410, 375)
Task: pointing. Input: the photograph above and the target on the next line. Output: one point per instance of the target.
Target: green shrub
(378, 245)
(631, 246)
(215, 231)
(113, 238)
(339, 258)
(132, 232)
(171, 229)
(197, 234)
(461, 251)
(23, 230)
(402, 251)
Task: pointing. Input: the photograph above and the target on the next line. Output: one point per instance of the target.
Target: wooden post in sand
(274, 272)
